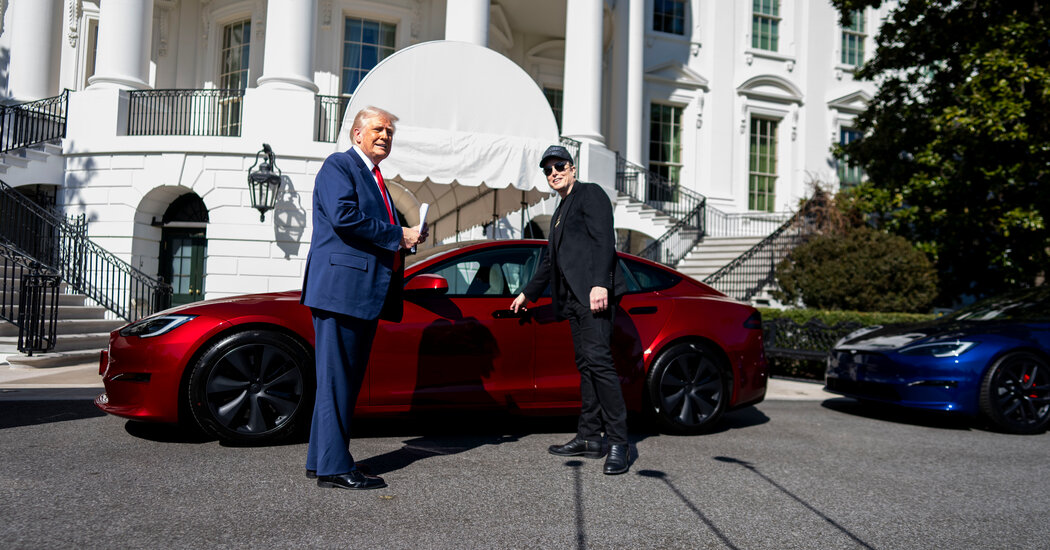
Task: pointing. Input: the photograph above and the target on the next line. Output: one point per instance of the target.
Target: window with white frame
(849, 174)
(762, 168)
(853, 36)
(555, 98)
(233, 73)
(669, 16)
(665, 141)
(236, 43)
(91, 53)
(365, 44)
(765, 24)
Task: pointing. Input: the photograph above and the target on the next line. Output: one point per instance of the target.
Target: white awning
(471, 131)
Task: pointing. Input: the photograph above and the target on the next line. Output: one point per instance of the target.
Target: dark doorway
(184, 248)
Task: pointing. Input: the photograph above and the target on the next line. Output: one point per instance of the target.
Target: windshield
(1030, 305)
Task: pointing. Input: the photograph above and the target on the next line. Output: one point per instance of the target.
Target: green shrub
(858, 269)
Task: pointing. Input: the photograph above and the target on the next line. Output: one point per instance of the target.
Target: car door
(639, 316)
(464, 347)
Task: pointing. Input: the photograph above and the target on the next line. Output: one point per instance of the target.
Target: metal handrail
(26, 124)
(676, 243)
(749, 273)
(329, 110)
(178, 112)
(657, 191)
(28, 287)
(64, 248)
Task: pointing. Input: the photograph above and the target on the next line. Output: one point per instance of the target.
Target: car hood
(894, 337)
(208, 307)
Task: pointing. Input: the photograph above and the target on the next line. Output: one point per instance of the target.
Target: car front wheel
(1015, 394)
(252, 387)
(687, 388)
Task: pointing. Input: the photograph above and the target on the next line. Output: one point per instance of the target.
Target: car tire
(1015, 394)
(252, 387)
(687, 388)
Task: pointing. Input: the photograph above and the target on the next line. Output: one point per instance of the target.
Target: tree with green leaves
(956, 142)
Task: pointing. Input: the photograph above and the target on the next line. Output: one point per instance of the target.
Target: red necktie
(382, 189)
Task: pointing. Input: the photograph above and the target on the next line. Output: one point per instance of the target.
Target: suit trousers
(342, 345)
(602, 403)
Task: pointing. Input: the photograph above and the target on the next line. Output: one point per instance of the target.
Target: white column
(467, 21)
(635, 82)
(125, 39)
(34, 48)
(582, 99)
(288, 57)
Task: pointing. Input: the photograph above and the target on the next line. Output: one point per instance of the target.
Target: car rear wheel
(1015, 394)
(687, 388)
(252, 387)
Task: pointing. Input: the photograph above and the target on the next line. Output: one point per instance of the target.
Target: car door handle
(643, 310)
(509, 314)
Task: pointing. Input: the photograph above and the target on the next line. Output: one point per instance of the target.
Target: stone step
(69, 342)
(68, 327)
(55, 359)
(63, 299)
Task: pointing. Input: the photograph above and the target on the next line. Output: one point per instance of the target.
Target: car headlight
(154, 326)
(939, 349)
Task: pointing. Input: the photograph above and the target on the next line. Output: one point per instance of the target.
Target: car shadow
(902, 415)
(166, 433)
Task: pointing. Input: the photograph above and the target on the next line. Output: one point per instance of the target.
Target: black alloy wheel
(688, 388)
(253, 387)
(1015, 394)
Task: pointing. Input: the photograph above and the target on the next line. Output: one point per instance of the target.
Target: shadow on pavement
(656, 474)
(30, 409)
(754, 469)
(901, 415)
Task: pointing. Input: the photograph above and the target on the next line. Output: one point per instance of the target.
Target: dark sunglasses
(559, 166)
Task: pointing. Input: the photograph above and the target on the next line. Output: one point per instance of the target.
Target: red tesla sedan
(242, 368)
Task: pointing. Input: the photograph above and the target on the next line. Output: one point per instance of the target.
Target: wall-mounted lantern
(264, 182)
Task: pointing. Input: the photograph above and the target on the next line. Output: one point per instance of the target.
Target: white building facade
(740, 101)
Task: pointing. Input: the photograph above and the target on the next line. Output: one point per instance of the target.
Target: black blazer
(581, 250)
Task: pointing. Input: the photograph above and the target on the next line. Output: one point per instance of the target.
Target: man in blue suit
(353, 277)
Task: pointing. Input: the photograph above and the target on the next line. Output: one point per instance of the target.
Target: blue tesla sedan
(991, 359)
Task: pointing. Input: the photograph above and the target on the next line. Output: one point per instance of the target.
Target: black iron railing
(29, 300)
(810, 341)
(26, 124)
(329, 111)
(742, 224)
(749, 273)
(673, 245)
(63, 247)
(185, 112)
(573, 147)
(658, 192)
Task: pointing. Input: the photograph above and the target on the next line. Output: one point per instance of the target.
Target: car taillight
(103, 360)
(754, 321)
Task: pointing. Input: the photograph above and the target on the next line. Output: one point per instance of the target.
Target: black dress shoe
(616, 462)
(312, 474)
(351, 480)
(578, 447)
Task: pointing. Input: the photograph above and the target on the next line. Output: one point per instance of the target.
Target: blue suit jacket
(349, 267)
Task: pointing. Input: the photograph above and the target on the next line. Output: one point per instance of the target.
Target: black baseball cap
(556, 151)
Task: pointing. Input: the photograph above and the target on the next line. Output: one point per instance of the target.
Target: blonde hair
(369, 113)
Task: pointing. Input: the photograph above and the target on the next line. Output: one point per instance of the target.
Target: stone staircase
(82, 331)
(630, 213)
(40, 163)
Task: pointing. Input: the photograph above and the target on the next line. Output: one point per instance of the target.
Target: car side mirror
(426, 284)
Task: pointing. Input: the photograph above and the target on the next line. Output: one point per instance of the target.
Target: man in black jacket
(585, 280)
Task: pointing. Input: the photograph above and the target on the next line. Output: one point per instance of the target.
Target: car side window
(647, 278)
(493, 272)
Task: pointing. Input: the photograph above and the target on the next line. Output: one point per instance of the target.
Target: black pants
(602, 398)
